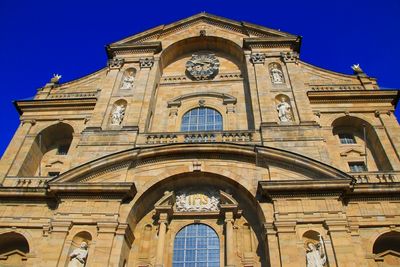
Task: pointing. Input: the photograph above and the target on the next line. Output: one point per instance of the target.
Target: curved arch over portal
(252, 214)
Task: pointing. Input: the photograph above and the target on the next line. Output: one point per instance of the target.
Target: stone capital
(115, 63)
(60, 226)
(285, 227)
(257, 58)
(146, 62)
(336, 226)
(290, 57)
(107, 227)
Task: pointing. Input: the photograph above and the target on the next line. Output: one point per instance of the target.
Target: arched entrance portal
(210, 201)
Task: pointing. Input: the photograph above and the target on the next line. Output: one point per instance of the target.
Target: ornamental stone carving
(202, 66)
(115, 63)
(146, 62)
(197, 201)
(257, 58)
(288, 57)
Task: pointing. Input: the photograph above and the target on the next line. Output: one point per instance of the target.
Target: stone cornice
(55, 104)
(101, 190)
(139, 48)
(292, 43)
(272, 189)
(390, 96)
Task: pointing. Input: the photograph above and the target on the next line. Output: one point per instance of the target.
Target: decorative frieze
(257, 58)
(290, 57)
(115, 63)
(147, 62)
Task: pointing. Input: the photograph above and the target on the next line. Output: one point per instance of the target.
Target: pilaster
(287, 239)
(297, 85)
(346, 253)
(14, 147)
(162, 230)
(149, 66)
(55, 243)
(99, 112)
(253, 90)
(104, 243)
(273, 244)
(266, 102)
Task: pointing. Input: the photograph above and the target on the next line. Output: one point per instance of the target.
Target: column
(265, 97)
(298, 86)
(346, 253)
(288, 245)
(149, 66)
(99, 112)
(229, 252)
(273, 244)
(104, 243)
(162, 229)
(122, 235)
(53, 252)
(251, 94)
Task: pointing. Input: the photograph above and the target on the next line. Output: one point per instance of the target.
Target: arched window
(201, 119)
(196, 245)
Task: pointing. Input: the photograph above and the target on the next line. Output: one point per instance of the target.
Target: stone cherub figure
(315, 255)
(78, 256)
(127, 81)
(284, 111)
(118, 115)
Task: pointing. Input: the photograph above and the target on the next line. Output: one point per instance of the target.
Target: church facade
(205, 142)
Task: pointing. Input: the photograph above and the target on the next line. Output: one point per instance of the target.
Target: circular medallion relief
(202, 66)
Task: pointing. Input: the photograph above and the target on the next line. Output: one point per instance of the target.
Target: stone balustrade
(39, 181)
(376, 177)
(200, 137)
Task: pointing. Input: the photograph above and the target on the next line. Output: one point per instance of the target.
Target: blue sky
(39, 38)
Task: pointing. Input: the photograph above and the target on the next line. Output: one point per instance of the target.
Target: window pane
(200, 119)
(196, 245)
(357, 166)
(346, 138)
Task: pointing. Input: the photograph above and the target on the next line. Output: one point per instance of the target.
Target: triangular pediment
(206, 22)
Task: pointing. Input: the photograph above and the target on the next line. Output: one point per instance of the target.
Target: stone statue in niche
(284, 111)
(118, 114)
(78, 257)
(315, 254)
(127, 81)
(276, 74)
